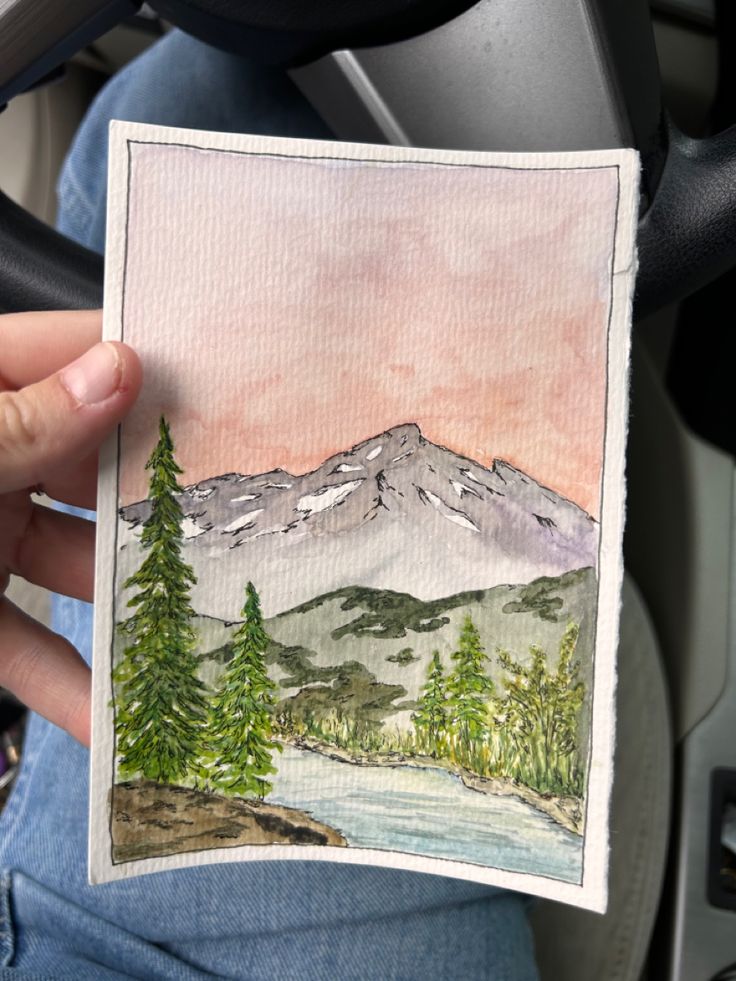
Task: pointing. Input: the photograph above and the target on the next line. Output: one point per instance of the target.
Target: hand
(61, 393)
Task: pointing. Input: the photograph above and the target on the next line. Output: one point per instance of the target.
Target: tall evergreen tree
(430, 719)
(469, 687)
(160, 705)
(241, 712)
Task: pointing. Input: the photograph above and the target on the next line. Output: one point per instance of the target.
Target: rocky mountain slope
(394, 512)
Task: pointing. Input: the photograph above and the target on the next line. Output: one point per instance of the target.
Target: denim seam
(7, 937)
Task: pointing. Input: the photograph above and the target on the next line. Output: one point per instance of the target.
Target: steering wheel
(596, 54)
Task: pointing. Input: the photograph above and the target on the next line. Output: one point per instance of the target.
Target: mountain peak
(399, 442)
(405, 434)
(396, 511)
(409, 429)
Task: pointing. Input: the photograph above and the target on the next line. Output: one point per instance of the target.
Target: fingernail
(95, 376)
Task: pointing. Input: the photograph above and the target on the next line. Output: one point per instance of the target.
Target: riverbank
(566, 811)
(150, 820)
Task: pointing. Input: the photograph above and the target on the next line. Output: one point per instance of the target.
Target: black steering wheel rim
(687, 229)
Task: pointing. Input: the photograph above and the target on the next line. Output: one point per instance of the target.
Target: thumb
(65, 417)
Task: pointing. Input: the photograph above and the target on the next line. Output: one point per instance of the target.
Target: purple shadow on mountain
(393, 512)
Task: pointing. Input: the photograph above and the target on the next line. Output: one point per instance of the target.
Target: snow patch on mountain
(462, 521)
(327, 497)
(461, 489)
(469, 475)
(457, 517)
(241, 522)
(190, 528)
(395, 511)
(202, 493)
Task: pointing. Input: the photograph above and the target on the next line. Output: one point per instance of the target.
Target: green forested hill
(365, 652)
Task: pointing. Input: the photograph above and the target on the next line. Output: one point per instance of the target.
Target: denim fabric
(270, 920)
(178, 82)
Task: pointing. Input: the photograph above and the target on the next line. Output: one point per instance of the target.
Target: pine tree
(430, 719)
(469, 688)
(161, 705)
(241, 713)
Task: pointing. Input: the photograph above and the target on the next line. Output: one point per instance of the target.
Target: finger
(76, 486)
(57, 551)
(62, 419)
(35, 345)
(44, 671)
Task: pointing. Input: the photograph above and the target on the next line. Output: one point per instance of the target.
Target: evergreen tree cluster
(528, 730)
(168, 726)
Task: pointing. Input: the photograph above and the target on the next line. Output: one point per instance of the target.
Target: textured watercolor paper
(359, 546)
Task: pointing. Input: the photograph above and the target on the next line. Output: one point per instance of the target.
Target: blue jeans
(261, 920)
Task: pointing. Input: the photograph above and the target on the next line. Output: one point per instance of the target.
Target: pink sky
(302, 306)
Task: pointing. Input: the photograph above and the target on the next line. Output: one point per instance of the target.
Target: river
(425, 811)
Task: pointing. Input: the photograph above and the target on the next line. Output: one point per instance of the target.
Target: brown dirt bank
(151, 819)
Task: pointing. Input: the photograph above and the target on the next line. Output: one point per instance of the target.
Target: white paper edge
(592, 894)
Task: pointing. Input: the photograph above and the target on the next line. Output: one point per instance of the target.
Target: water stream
(425, 811)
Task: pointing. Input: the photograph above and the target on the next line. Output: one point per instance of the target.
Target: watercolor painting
(479, 689)
(358, 512)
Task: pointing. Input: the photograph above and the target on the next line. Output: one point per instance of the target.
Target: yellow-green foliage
(527, 731)
(539, 717)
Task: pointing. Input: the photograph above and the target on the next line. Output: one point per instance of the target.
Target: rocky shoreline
(566, 811)
(150, 820)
